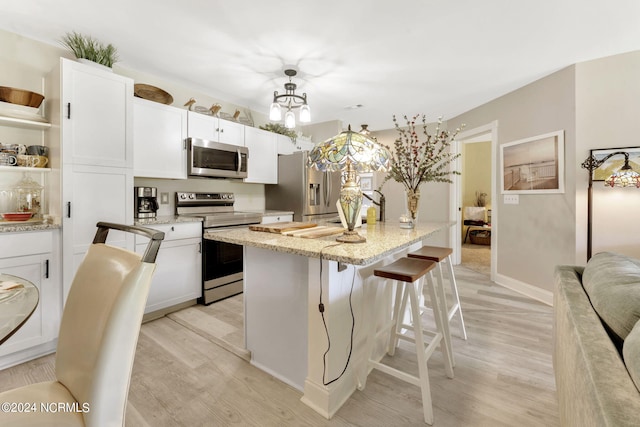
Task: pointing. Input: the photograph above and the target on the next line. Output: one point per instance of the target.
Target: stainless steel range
(222, 267)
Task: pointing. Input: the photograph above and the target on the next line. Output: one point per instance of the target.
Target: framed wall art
(533, 165)
(616, 162)
(366, 182)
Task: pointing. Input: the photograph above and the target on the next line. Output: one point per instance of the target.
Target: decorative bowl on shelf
(17, 216)
(20, 96)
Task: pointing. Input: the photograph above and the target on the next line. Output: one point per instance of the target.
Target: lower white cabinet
(33, 255)
(178, 275)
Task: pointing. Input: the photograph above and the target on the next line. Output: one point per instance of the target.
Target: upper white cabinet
(230, 132)
(287, 146)
(159, 133)
(96, 116)
(215, 129)
(263, 156)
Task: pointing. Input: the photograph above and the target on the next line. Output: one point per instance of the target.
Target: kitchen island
(288, 279)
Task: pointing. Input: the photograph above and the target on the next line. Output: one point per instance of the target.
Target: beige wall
(539, 232)
(607, 116)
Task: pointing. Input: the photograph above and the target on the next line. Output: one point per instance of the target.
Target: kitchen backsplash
(248, 196)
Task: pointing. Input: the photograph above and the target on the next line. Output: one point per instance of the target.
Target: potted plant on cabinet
(90, 50)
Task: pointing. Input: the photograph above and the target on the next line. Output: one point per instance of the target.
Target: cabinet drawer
(185, 230)
(28, 243)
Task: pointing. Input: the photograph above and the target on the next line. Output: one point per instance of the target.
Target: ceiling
(403, 57)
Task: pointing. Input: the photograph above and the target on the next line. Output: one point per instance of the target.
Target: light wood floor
(185, 375)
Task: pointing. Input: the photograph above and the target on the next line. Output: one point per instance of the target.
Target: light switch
(511, 199)
(164, 198)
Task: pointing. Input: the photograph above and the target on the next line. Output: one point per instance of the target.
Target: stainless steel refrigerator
(310, 194)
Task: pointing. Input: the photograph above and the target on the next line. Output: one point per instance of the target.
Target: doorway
(477, 148)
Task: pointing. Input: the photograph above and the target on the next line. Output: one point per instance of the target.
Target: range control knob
(183, 196)
(192, 196)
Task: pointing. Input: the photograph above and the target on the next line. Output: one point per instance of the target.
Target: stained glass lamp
(625, 177)
(352, 153)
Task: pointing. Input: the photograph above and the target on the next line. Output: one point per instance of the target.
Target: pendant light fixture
(289, 101)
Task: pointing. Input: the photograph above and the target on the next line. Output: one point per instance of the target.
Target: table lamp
(352, 153)
(625, 177)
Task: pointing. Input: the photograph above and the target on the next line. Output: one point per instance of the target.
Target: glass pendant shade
(289, 120)
(305, 114)
(275, 112)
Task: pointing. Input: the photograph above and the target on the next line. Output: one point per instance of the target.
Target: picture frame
(533, 165)
(366, 183)
(613, 164)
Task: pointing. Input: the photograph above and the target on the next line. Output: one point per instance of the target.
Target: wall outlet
(511, 199)
(164, 198)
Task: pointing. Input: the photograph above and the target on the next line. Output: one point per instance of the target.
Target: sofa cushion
(612, 282)
(631, 354)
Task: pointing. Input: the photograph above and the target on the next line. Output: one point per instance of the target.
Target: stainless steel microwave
(215, 159)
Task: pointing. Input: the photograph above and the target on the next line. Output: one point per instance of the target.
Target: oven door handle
(225, 228)
(239, 160)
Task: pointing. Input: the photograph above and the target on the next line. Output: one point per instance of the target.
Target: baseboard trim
(531, 291)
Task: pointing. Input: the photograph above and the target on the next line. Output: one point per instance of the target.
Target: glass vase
(412, 203)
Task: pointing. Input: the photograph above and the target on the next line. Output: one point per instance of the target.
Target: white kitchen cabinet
(285, 144)
(270, 219)
(33, 256)
(94, 115)
(96, 108)
(178, 275)
(263, 156)
(93, 194)
(214, 129)
(159, 133)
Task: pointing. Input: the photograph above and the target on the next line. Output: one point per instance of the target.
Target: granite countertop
(18, 227)
(166, 219)
(382, 240)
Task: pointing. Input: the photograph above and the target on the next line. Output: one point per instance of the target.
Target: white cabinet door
(92, 194)
(285, 144)
(263, 156)
(34, 260)
(96, 116)
(178, 275)
(214, 129)
(230, 132)
(304, 145)
(159, 133)
(202, 126)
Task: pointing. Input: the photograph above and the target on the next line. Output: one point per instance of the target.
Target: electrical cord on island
(353, 322)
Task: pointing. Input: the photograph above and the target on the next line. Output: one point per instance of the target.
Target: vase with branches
(420, 156)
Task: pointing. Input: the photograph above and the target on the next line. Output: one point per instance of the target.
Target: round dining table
(18, 300)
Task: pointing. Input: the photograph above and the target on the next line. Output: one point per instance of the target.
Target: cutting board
(316, 232)
(280, 227)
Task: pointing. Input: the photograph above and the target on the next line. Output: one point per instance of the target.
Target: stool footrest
(395, 373)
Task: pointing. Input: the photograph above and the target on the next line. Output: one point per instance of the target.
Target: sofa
(596, 355)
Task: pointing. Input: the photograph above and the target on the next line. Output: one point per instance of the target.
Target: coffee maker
(145, 202)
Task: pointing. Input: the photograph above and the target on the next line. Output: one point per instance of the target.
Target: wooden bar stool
(406, 274)
(443, 255)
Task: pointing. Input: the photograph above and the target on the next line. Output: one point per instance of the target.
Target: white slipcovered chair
(97, 341)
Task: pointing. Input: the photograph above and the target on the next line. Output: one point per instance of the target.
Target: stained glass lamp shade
(352, 153)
